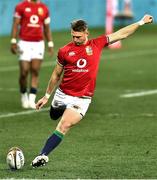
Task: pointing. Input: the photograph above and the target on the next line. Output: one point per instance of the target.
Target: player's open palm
(41, 102)
(147, 19)
(50, 51)
(13, 48)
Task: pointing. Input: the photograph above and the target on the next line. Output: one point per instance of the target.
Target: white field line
(22, 113)
(127, 54)
(15, 68)
(9, 89)
(108, 56)
(138, 94)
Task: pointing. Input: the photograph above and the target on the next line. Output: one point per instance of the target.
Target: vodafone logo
(81, 63)
(34, 19)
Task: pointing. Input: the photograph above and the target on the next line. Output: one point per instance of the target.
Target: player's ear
(87, 32)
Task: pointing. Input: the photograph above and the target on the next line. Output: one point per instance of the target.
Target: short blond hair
(79, 25)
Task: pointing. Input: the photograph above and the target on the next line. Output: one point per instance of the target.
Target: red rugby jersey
(32, 17)
(81, 66)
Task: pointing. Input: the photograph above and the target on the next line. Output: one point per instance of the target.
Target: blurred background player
(32, 16)
(113, 13)
(79, 62)
(126, 12)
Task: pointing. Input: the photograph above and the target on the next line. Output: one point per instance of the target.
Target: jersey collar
(82, 45)
(37, 1)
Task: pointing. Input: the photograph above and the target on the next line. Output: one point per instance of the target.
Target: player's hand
(14, 48)
(50, 51)
(147, 19)
(41, 103)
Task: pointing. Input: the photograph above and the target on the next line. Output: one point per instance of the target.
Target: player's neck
(85, 41)
(33, 1)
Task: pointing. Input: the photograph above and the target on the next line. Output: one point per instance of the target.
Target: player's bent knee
(35, 73)
(56, 112)
(23, 75)
(64, 127)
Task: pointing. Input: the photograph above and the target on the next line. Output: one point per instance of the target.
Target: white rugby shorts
(31, 50)
(79, 104)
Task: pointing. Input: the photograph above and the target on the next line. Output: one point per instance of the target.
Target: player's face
(79, 38)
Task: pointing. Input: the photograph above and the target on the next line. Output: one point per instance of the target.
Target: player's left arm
(128, 30)
(55, 77)
(14, 32)
(48, 36)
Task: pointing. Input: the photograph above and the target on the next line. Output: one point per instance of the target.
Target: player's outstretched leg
(69, 119)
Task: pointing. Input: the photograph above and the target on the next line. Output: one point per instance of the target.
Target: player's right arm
(55, 77)
(16, 22)
(128, 30)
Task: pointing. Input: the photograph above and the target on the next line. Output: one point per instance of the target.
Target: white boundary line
(9, 89)
(138, 94)
(108, 56)
(15, 68)
(26, 112)
(127, 54)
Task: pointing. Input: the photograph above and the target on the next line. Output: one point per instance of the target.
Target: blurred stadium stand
(64, 11)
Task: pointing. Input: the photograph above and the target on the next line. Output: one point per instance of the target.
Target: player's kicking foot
(40, 161)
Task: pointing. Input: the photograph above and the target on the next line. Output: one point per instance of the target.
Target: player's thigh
(35, 65)
(69, 118)
(79, 105)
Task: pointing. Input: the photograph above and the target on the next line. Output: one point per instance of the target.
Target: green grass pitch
(118, 136)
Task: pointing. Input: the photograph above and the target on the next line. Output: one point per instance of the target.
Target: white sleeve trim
(47, 20)
(17, 16)
(108, 39)
(59, 63)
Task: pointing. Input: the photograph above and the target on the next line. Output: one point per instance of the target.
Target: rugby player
(79, 62)
(31, 23)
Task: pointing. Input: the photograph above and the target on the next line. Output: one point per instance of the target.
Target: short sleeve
(101, 41)
(18, 11)
(47, 12)
(47, 18)
(60, 58)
